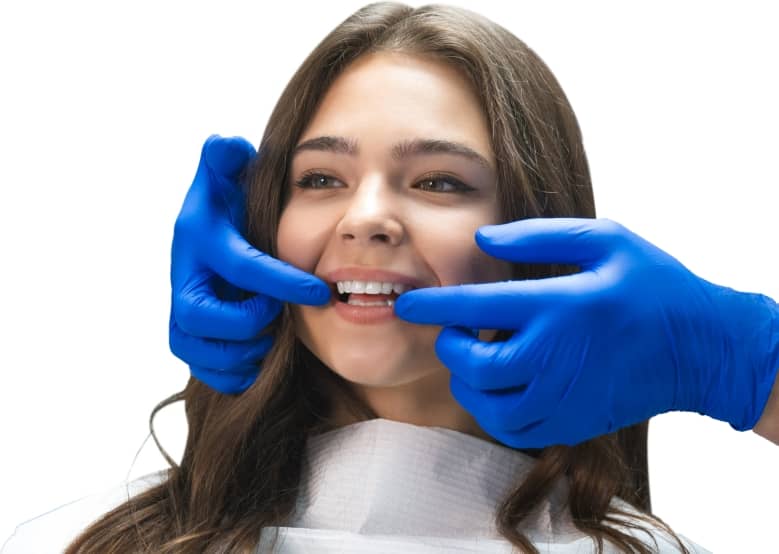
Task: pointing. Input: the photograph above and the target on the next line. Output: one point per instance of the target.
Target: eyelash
(304, 182)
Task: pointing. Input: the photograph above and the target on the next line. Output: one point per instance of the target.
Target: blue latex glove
(633, 335)
(217, 335)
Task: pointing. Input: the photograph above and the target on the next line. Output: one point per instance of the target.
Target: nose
(371, 216)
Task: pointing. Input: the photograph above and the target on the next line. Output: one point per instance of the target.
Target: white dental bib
(385, 486)
(382, 477)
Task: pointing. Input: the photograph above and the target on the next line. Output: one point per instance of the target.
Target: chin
(376, 362)
(373, 373)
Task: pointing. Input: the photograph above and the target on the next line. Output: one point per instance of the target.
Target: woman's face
(373, 209)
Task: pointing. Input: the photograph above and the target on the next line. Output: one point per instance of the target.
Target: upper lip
(363, 273)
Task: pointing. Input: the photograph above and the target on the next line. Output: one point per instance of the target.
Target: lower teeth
(355, 302)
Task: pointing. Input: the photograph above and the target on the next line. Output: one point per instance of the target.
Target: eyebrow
(400, 151)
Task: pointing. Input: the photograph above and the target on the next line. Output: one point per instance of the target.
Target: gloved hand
(633, 335)
(210, 330)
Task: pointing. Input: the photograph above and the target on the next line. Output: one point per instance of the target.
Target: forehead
(383, 98)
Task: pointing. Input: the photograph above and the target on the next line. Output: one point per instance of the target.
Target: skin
(768, 425)
(372, 212)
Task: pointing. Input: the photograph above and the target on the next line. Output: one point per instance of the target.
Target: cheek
(295, 242)
(299, 249)
(469, 264)
(286, 238)
(456, 258)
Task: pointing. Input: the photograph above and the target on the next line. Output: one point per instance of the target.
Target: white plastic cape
(383, 486)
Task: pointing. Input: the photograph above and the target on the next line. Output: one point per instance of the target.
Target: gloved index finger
(243, 266)
(500, 305)
(581, 241)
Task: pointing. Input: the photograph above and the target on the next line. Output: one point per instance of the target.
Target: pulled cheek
(472, 265)
(489, 269)
(285, 238)
(294, 245)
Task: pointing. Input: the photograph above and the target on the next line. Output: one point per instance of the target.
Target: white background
(103, 111)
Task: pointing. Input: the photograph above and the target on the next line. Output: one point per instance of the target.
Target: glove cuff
(762, 369)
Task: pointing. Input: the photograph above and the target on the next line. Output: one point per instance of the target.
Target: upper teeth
(370, 287)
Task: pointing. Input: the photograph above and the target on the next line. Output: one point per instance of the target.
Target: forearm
(768, 424)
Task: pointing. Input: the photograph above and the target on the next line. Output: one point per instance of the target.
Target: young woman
(403, 132)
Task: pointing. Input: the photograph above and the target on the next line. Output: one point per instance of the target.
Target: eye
(314, 180)
(438, 179)
(431, 183)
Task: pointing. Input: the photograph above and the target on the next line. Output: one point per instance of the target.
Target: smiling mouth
(344, 297)
(364, 299)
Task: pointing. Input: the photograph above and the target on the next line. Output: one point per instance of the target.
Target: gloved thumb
(227, 156)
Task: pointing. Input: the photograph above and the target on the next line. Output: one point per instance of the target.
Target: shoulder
(53, 530)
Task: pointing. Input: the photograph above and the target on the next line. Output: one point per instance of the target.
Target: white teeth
(355, 302)
(373, 287)
(358, 286)
(370, 287)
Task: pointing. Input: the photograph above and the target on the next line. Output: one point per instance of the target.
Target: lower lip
(365, 314)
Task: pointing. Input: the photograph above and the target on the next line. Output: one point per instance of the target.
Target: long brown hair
(241, 468)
